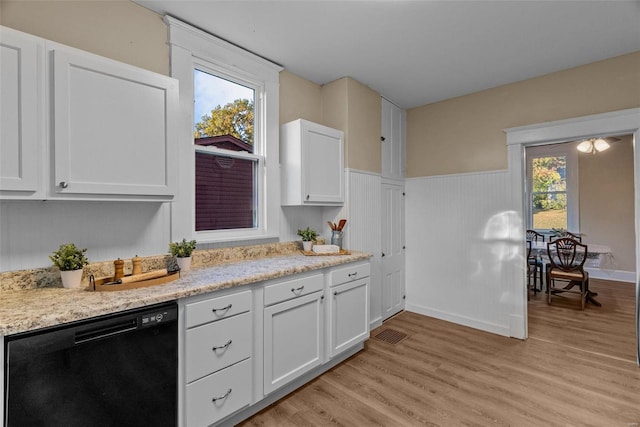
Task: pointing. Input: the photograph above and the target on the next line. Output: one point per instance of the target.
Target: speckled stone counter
(28, 309)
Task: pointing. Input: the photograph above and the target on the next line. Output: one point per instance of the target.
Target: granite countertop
(29, 309)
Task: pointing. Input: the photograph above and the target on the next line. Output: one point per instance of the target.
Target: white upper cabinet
(80, 126)
(113, 127)
(312, 162)
(21, 109)
(392, 141)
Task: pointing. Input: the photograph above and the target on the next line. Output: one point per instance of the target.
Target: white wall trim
(607, 124)
(461, 320)
(431, 177)
(363, 172)
(615, 275)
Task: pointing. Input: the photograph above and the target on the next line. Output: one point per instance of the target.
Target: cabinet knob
(63, 184)
(383, 254)
(307, 197)
(382, 138)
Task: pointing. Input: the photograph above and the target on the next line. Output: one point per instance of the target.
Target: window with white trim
(229, 176)
(552, 187)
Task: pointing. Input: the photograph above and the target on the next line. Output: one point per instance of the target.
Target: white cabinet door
(392, 141)
(312, 158)
(349, 308)
(293, 334)
(392, 249)
(113, 127)
(21, 110)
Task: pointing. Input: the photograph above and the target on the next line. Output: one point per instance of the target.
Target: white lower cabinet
(241, 347)
(214, 397)
(293, 337)
(348, 307)
(218, 349)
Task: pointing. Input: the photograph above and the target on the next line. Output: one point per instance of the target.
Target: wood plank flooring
(444, 374)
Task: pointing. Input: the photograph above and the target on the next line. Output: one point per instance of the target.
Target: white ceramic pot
(184, 263)
(71, 279)
(306, 246)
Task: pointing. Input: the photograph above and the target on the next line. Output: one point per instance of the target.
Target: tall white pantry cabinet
(80, 126)
(393, 201)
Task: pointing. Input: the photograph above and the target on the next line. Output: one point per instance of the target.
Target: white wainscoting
(460, 257)
(363, 231)
(31, 230)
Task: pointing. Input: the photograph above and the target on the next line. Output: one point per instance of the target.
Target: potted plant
(70, 260)
(182, 251)
(308, 236)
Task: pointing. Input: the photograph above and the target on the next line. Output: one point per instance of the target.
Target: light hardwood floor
(576, 369)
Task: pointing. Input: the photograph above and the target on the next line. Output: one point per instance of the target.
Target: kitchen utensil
(331, 225)
(341, 224)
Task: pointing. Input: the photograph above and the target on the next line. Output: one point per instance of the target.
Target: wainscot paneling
(363, 231)
(459, 255)
(31, 230)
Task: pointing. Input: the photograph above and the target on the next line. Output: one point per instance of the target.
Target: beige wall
(121, 30)
(299, 99)
(355, 108)
(465, 134)
(606, 201)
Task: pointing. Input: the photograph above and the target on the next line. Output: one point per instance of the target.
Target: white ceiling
(419, 52)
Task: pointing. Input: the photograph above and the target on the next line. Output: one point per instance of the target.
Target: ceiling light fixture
(593, 145)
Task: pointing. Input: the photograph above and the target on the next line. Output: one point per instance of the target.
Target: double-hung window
(229, 176)
(552, 187)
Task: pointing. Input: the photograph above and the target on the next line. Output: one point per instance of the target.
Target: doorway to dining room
(625, 122)
(590, 195)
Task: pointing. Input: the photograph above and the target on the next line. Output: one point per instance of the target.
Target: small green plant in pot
(182, 251)
(308, 236)
(70, 260)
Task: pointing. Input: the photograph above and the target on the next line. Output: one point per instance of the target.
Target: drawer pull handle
(222, 309)
(296, 290)
(352, 274)
(219, 347)
(224, 396)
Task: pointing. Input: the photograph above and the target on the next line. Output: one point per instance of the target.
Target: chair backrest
(574, 236)
(567, 254)
(534, 236)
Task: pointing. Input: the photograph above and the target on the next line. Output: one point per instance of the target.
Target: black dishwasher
(115, 370)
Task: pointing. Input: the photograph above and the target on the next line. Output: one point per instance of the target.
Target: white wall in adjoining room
(459, 256)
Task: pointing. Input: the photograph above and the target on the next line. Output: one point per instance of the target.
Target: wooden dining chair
(566, 264)
(531, 270)
(574, 236)
(534, 260)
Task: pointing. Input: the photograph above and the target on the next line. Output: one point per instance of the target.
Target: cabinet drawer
(216, 396)
(216, 345)
(279, 292)
(350, 273)
(217, 308)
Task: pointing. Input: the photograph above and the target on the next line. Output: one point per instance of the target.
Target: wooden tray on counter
(342, 252)
(99, 285)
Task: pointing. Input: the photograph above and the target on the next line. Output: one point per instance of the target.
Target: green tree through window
(549, 195)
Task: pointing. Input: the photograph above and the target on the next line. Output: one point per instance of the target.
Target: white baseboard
(460, 320)
(617, 275)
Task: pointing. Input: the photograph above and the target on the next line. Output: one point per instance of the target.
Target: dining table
(598, 256)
